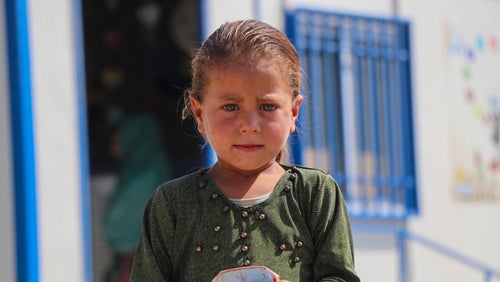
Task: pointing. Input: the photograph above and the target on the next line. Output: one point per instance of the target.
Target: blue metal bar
(489, 271)
(332, 108)
(317, 104)
(359, 53)
(305, 115)
(412, 199)
(294, 141)
(487, 276)
(83, 141)
(403, 98)
(341, 173)
(377, 216)
(208, 155)
(22, 140)
(204, 19)
(395, 132)
(388, 104)
(256, 8)
(373, 129)
(408, 175)
(403, 255)
(347, 92)
(398, 124)
(403, 234)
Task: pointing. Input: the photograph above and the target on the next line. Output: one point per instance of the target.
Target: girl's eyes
(234, 107)
(230, 107)
(268, 107)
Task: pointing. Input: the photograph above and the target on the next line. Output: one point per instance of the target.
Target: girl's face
(246, 114)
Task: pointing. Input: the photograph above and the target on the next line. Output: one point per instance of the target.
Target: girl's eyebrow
(229, 97)
(269, 97)
(236, 98)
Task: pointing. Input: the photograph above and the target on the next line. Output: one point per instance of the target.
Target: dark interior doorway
(137, 63)
(137, 60)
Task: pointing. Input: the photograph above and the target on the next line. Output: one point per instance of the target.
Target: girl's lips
(248, 147)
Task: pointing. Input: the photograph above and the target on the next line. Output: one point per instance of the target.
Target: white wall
(469, 228)
(56, 140)
(220, 11)
(7, 240)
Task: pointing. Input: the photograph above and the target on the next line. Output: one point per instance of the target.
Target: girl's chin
(245, 166)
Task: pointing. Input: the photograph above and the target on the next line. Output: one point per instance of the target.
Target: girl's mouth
(248, 147)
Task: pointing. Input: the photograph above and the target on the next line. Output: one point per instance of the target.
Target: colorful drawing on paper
(474, 81)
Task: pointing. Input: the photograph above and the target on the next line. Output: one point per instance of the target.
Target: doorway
(137, 65)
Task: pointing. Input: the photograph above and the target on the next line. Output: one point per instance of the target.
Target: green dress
(191, 231)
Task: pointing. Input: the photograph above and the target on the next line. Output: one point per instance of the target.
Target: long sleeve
(331, 231)
(152, 260)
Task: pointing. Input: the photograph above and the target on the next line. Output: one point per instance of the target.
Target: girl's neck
(240, 185)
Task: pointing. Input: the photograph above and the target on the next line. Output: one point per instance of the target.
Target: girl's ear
(295, 111)
(197, 111)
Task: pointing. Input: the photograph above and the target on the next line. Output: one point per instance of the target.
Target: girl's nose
(249, 123)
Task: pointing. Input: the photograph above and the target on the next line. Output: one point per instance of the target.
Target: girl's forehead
(221, 71)
(243, 78)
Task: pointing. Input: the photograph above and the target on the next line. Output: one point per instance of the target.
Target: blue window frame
(357, 121)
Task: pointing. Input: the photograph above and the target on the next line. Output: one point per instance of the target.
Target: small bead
(215, 248)
(225, 209)
(300, 244)
(202, 184)
(244, 248)
(262, 216)
(244, 214)
(296, 259)
(292, 177)
(198, 249)
(282, 247)
(246, 262)
(215, 195)
(287, 188)
(217, 228)
(243, 235)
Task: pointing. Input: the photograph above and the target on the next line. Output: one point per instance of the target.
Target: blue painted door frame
(23, 140)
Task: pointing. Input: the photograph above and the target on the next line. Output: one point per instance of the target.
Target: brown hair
(248, 42)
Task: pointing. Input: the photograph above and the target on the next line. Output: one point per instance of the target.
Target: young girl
(248, 209)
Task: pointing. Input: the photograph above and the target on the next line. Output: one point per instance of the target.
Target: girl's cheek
(279, 130)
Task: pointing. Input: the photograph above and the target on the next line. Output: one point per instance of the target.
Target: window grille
(356, 122)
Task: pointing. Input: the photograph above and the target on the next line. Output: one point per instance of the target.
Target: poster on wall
(473, 58)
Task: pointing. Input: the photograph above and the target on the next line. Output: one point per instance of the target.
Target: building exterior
(45, 182)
